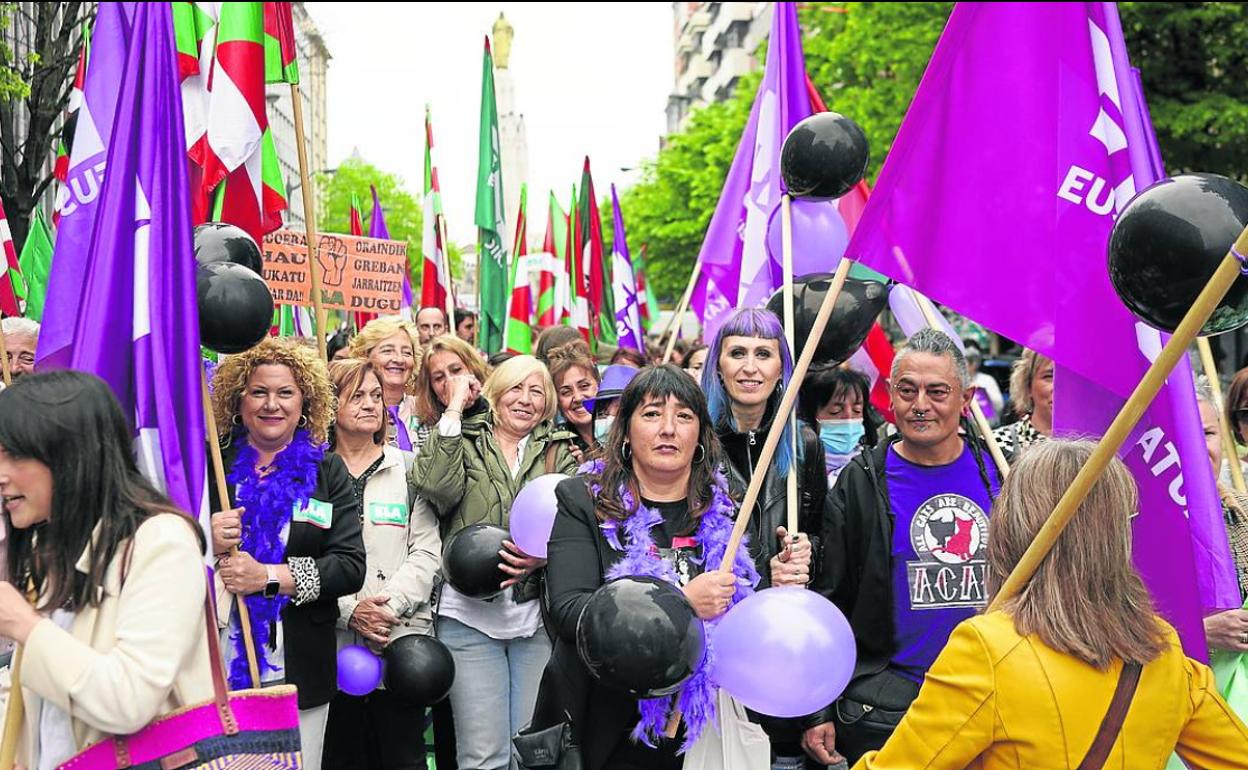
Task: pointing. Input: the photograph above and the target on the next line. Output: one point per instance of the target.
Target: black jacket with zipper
(741, 449)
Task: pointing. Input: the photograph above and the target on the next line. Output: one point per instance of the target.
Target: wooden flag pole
(678, 317)
(223, 494)
(309, 220)
(981, 422)
(790, 326)
(1228, 438)
(14, 716)
(450, 282)
(4, 361)
(1130, 414)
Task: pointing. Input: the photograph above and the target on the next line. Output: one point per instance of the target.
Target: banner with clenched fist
(357, 274)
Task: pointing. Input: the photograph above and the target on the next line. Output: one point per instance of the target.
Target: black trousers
(377, 731)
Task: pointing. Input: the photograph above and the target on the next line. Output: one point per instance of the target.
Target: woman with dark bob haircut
(656, 505)
(116, 636)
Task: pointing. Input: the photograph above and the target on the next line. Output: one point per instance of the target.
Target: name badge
(316, 513)
(388, 514)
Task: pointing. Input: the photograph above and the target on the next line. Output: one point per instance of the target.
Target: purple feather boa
(632, 536)
(269, 504)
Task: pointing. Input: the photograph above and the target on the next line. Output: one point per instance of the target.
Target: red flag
(8, 298)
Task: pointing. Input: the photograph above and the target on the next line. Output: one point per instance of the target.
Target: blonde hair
(1086, 599)
(379, 329)
(428, 408)
(514, 371)
(1022, 374)
(347, 376)
(319, 406)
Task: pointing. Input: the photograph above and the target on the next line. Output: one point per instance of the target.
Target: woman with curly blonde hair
(295, 523)
(392, 346)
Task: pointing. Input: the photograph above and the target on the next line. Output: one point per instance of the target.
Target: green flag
(491, 227)
(36, 263)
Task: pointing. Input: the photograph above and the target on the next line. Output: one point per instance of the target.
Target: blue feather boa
(696, 698)
(269, 503)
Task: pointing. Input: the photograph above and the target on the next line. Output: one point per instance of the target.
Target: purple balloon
(359, 670)
(533, 514)
(819, 236)
(761, 641)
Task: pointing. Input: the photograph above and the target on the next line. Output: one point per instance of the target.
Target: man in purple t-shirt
(904, 533)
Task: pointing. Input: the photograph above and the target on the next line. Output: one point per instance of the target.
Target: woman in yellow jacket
(1028, 686)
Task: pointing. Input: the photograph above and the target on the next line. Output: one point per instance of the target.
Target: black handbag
(550, 749)
(869, 711)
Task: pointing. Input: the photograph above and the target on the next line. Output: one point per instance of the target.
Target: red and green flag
(435, 277)
(550, 268)
(281, 60)
(645, 291)
(577, 307)
(239, 158)
(519, 333)
(595, 267)
(12, 279)
(490, 217)
(356, 224)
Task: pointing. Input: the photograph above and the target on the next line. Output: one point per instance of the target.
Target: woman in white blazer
(403, 551)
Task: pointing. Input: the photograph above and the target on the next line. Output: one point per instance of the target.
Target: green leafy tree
(1192, 59)
(39, 44)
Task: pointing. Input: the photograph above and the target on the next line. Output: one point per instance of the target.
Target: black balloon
(1167, 243)
(824, 156)
(419, 669)
(856, 309)
(235, 307)
(639, 635)
(221, 242)
(470, 560)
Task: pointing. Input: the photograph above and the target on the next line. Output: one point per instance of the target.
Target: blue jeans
(493, 677)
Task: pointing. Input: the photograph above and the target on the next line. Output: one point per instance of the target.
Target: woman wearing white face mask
(838, 401)
(604, 405)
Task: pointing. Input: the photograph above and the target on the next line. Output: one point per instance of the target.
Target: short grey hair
(1204, 391)
(16, 325)
(937, 343)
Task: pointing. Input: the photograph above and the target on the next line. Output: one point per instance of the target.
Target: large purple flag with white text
(134, 318)
(1024, 140)
(736, 269)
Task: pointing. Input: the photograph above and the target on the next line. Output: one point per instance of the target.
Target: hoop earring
(700, 460)
(237, 419)
(626, 452)
(303, 421)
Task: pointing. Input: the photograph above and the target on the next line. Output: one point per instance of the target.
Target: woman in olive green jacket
(483, 450)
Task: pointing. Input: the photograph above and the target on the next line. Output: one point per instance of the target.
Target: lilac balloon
(359, 670)
(819, 236)
(762, 640)
(533, 514)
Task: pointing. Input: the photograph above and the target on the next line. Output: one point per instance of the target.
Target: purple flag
(377, 229)
(627, 308)
(135, 322)
(78, 199)
(1021, 129)
(736, 269)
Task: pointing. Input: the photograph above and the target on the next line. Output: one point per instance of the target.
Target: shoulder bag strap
(220, 695)
(552, 449)
(1111, 725)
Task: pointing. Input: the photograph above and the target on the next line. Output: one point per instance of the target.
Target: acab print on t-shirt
(949, 533)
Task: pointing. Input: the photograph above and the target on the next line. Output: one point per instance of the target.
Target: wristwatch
(273, 586)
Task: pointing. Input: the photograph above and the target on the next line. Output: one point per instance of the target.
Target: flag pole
(678, 317)
(782, 413)
(977, 413)
(786, 232)
(309, 219)
(1228, 439)
(4, 361)
(223, 494)
(440, 224)
(14, 715)
(1116, 435)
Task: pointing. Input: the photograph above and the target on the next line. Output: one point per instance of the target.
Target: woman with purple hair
(747, 368)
